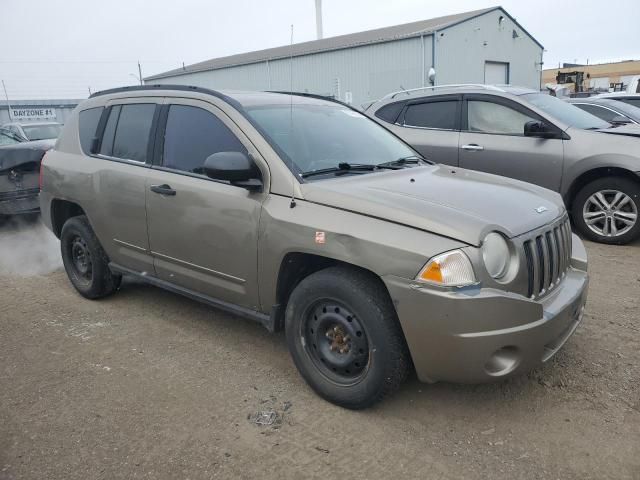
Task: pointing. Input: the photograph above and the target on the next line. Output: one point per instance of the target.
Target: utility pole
(139, 72)
(319, 19)
(8, 104)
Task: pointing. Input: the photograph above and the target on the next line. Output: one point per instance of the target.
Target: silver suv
(305, 215)
(530, 136)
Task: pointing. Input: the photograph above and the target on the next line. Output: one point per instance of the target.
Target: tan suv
(304, 214)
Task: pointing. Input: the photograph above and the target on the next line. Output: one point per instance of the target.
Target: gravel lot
(147, 384)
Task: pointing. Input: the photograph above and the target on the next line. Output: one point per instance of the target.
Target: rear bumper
(19, 202)
(480, 334)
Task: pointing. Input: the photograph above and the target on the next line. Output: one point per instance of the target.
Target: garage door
(496, 73)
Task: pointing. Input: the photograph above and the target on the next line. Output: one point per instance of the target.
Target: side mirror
(538, 129)
(619, 120)
(234, 167)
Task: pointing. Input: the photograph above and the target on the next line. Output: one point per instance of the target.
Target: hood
(628, 130)
(454, 202)
(23, 153)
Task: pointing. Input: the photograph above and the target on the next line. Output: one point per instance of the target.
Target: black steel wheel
(344, 336)
(336, 341)
(85, 261)
(81, 258)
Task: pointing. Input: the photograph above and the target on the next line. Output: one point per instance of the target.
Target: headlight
(448, 269)
(496, 255)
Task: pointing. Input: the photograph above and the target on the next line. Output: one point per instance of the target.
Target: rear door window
(88, 124)
(131, 141)
(192, 134)
(437, 114)
(127, 132)
(600, 112)
(106, 146)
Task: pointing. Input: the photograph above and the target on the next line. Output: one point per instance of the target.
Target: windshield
(42, 132)
(8, 138)
(565, 112)
(318, 137)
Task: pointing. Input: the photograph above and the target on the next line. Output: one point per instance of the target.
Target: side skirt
(268, 321)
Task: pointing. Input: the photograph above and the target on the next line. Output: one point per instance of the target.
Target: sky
(66, 48)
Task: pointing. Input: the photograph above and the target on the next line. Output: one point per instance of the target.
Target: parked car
(632, 99)
(616, 113)
(531, 136)
(19, 171)
(35, 131)
(304, 214)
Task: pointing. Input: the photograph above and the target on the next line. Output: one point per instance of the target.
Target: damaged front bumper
(482, 334)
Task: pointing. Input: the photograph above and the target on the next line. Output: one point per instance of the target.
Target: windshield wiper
(401, 162)
(344, 168)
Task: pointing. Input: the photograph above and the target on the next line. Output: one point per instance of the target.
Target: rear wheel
(85, 261)
(344, 337)
(606, 210)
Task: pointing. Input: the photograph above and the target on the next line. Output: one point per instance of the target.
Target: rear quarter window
(389, 113)
(87, 126)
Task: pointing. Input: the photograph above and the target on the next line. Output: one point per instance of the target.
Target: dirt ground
(147, 384)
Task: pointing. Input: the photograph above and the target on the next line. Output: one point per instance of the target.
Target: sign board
(32, 113)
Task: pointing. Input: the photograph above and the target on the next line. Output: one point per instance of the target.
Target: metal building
(26, 111)
(482, 46)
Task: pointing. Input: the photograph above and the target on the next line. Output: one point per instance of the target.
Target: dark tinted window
(132, 133)
(192, 135)
(389, 113)
(631, 101)
(600, 112)
(106, 147)
(88, 123)
(432, 115)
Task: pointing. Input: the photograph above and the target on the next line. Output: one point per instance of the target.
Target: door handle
(163, 189)
(472, 147)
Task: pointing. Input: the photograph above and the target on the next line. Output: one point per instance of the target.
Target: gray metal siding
(368, 72)
(461, 51)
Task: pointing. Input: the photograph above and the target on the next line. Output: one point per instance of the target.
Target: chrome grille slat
(548, 255)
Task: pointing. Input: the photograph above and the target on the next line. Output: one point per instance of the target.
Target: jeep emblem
(541, 209)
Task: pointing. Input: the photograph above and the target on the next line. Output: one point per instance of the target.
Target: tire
(364, 360)
(85, 261)
(588, 207)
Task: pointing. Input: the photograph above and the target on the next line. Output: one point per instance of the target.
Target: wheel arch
(594, 174)
(61, 211)
(295, 267)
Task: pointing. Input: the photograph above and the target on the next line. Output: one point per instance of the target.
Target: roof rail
(454, 85)
(328, 98)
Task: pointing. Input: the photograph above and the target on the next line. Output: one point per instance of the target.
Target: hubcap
(610, 213)
(336, 341)
(81, 258)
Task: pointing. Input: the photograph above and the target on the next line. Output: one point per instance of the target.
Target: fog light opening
(503, 361)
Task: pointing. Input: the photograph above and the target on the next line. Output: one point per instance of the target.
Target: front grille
(548, 255)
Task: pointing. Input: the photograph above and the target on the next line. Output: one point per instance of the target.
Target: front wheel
(606, 210)
(345, 338)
